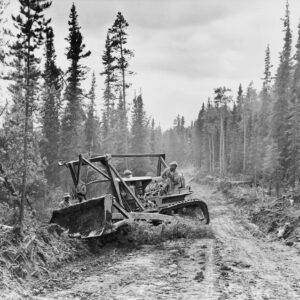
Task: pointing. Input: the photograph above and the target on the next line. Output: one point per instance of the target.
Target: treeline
(52, 117)
(255, 133)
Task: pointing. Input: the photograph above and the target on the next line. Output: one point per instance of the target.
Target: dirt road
(234, 261)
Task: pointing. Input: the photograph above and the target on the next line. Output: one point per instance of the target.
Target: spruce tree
(121, 130)
(72, 139)
(199, 147)
(171, 144)
(92, 124)
(31, 26)
(12, 151)
(235, 141)
(256, 150)
(152, 137)
(240, 102)
(122, 55)
(3, 31)
(282, 89)
(221, 100)
(50, 110)
(294, 121)
(265, 96)
(139, 136)
(211, 131)
(158, 139)
(108, 61)
(250, 103)
(177, 136)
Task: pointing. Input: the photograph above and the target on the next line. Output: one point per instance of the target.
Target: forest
(254, 134)
(222, 222)
(247, 133)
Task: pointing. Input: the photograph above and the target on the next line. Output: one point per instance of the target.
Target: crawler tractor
(106, 201)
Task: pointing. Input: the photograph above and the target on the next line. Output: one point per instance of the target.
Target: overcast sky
(183, 48)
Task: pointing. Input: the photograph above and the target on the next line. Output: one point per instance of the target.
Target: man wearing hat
(172, 177)
(66, 202)
(127, 174)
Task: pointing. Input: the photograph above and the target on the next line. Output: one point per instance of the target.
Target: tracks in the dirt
(175, 270)
(254, 269)
(230, 263)
(251, 268)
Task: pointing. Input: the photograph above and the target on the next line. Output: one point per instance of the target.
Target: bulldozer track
(186, 203)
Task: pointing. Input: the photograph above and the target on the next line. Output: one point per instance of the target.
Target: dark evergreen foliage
(294, 122)
(31, 25)
(50, 110)
(256, 135)
(72, 139)
(121, 54)
(282, 88)
(139, 136)
(108, 61)
(92, 123)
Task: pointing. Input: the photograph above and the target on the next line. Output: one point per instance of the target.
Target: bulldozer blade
(90, 218)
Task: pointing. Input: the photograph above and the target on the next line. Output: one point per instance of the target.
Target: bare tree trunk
(255, 179)
(221, 155)
(213, 153)
(210, 154)
(25, 158)
(124, 100)
(220, 148)
(277, 183)
(270, 187)
(223, 152)
(25, 140)
(123, 73)
(245, 143)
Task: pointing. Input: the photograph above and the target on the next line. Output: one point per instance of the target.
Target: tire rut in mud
(251, 267)
(232, 263)
(175, 270)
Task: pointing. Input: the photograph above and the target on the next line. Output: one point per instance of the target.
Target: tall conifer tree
(50, 110)
(118, 36)
(282, 96)
(222, 99)
(31, 26)
(139, 133)
(72, 140)
(294, 121)
(265, 95)
(92, 124)
(108, 61)
(122, 55)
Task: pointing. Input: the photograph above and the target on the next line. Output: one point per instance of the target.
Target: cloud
(168, 14)
(214, 50)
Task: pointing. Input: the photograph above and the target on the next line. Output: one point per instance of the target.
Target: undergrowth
(271, 215)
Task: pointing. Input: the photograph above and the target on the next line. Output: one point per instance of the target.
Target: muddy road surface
(234, 261)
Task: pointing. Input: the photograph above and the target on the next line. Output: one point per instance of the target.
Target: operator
(66, 202)
(131, 185)
(171, 177)
(127, 174)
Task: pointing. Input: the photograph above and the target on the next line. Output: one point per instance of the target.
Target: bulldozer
(107, 201)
